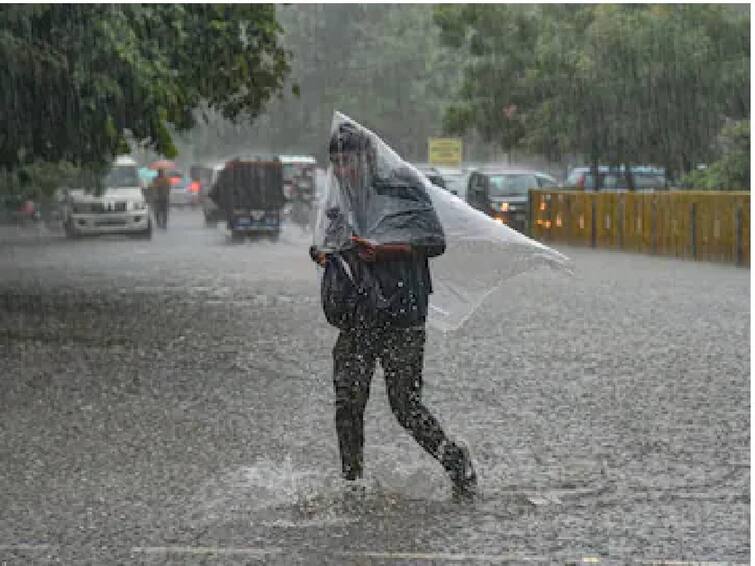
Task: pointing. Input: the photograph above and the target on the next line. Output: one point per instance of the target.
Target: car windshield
(507, 185)
(122, 176)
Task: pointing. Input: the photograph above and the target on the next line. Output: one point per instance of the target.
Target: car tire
(145, 234)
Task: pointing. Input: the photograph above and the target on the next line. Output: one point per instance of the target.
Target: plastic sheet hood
(372, 193)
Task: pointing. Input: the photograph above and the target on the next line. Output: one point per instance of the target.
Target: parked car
(503, 194)
(432, 174)
(613, 178)
(182, 191)
(455, 180)
(120, 208)
(296, 168)
(206, 177)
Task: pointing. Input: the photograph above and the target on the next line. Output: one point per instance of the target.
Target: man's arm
(371, 251)
(318, 256)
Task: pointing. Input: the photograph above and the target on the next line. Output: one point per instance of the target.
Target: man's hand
(367, 249)
(320, 258)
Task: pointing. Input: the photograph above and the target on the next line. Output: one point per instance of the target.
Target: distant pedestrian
(161, 195)
(377, 294)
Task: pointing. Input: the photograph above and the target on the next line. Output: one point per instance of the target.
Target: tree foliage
(732, 170)
(616, 83)
(382, 64)
(75, 80)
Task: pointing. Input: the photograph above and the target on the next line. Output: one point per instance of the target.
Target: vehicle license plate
(110, 222)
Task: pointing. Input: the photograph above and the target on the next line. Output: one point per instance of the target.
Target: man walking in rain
(377, 295)
(161, 196)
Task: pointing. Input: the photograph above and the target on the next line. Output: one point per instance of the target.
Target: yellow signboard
(445, 151)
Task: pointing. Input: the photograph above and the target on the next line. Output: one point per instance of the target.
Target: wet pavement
(170, 402)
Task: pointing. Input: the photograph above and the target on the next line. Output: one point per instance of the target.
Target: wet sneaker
(353, 496)
(355, 489)
(462, 473)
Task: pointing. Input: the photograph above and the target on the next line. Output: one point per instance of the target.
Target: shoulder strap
(346, 267)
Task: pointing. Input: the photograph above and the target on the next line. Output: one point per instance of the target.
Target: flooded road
(170, 402)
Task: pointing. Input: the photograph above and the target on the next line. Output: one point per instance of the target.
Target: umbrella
(162, 164)
(147, 174)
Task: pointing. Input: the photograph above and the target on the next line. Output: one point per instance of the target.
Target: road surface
(170, 402)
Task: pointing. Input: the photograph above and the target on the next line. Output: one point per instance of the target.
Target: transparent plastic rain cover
(387, 200)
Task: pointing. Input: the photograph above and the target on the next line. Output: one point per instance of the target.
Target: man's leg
(162, 206)
(353, 366)
(402, 356)
(402, 353)
(160, 214)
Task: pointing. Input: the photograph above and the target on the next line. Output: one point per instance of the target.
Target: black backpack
(339, 293)
(351, 299)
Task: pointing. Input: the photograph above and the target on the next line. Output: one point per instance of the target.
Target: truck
(249, 192)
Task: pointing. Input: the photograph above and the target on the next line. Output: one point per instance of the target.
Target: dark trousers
(161, 212)
(400, 351)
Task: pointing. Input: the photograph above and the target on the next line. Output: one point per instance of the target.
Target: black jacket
(393, 292)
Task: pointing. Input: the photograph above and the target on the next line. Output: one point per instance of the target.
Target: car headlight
(504, 207)
(138, 205)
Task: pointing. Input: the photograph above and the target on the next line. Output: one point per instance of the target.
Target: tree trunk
(595, 170)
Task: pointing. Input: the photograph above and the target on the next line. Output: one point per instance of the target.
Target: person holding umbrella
(160, 187)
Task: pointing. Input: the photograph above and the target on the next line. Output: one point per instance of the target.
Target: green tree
(384, 65)
(616, 83)
(76, 80)
(732, 171)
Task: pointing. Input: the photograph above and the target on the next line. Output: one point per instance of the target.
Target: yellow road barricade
(701, 225)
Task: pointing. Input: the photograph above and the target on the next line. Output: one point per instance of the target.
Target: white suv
(120, 209)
